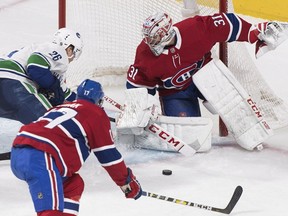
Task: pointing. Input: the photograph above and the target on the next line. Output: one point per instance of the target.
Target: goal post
(223, 56)
(61, 13)
(111, 31)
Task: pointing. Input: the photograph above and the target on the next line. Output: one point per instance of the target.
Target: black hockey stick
(5, 156)
(233, 201)
(112, 119)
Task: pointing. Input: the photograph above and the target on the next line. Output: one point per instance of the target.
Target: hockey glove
(132, 188)
(54, 94)
(268, 35)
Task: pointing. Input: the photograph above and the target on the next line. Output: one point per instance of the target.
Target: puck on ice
(167, 172)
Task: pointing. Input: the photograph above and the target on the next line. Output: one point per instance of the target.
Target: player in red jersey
(49, 152)
(170, 55)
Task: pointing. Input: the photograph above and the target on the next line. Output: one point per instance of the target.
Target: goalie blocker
(140, 125)
(237, 109)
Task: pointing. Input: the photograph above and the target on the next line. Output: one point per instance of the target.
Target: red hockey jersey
(70, 132)
(172, 71)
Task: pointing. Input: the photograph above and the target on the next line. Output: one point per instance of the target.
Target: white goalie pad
(139, 108)
(238, 111)
(188, 129)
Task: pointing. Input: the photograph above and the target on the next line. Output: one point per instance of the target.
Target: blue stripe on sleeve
(108, 156)
(235, 25)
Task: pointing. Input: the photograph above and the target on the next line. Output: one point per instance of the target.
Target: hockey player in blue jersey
(32, 79)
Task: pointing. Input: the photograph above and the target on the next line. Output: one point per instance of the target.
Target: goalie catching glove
(132, 188)
(268, 35)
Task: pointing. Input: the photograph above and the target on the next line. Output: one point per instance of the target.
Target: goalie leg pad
(187, 129)
(238, 111)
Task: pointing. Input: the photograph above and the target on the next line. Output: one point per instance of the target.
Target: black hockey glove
(132, 188)
(54, 94)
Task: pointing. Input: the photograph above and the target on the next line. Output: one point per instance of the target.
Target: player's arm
(112, 161)
(131, 83)
(222, 27)
(38, 69)
(69, 95)
(230, 27)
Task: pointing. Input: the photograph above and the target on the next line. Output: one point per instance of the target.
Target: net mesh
(111, 31)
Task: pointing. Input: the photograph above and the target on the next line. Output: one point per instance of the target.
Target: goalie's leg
(236, 108)
(182, 104)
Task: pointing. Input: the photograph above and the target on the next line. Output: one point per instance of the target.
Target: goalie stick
(233, 201)
(164, 135)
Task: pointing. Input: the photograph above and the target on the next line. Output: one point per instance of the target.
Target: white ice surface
(207, 178)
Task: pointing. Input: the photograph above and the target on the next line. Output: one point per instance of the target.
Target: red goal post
(111, 31)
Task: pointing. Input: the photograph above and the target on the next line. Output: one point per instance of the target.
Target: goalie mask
(66, 37)
(91, 91)
(158, 32)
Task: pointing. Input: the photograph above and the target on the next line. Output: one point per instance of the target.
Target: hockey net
(111, 31)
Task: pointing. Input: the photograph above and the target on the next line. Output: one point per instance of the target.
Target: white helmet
(157, 31)
(66, 37)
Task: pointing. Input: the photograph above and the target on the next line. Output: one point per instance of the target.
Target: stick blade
(234, 200)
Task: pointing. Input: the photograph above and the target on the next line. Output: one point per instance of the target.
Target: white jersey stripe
(231, 27)
(112, 162)
(51, 143)
(53, 181)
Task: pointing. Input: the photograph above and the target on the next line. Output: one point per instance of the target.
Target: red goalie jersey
(172, 70)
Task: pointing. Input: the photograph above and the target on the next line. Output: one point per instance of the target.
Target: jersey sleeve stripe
(103, 148)
(108, 157)
(130, 84)
(235, 27)
(43, 57)
(112, 163)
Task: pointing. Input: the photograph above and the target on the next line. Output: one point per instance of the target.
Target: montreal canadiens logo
(183, 77)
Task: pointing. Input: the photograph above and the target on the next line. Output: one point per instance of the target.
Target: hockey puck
(167, 172)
